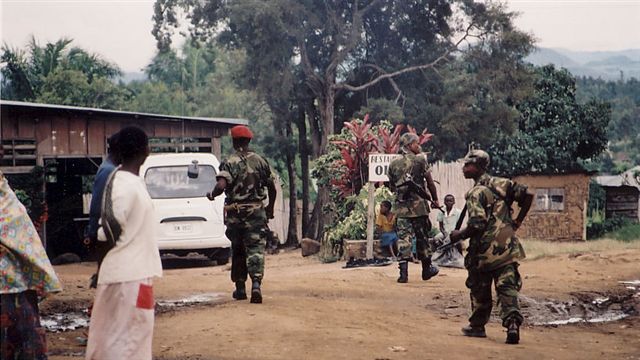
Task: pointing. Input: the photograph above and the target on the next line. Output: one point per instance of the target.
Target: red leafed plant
(362, 139)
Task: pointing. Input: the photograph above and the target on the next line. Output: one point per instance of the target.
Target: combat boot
(474, 331)
(256, 294)
(404, 271)
(240, 293)
(513, 332)
(428, 269)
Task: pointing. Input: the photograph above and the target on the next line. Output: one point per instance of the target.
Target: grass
(626, 233)
(539, 249)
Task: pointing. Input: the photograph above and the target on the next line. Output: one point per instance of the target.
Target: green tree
(58, 74)
(554, 131)
(335, 47)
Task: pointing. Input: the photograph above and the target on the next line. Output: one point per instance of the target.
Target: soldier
(407, 177)
(494, 250)
(243, 177)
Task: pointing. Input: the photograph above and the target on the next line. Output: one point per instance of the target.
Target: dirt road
(321, 311)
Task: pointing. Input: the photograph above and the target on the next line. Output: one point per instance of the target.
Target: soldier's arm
(221, 184)
(477, 220)
(431, 185)
(525, 199)
(223, 178)
(271, 191)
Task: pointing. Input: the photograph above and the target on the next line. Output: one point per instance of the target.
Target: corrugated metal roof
(229, 121)
(630, 177)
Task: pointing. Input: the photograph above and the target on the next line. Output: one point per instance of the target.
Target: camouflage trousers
(507, 283)
(408, 228)
(247, 231)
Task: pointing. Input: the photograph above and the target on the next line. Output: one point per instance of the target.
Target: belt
(244, 205)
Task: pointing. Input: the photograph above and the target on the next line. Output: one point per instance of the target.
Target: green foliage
(353, 226)
(597, 199)
(624, 128)
(597, 229)
(72, 87)
(55, 73)
(626, 233)
(28, 189)
(554, 131)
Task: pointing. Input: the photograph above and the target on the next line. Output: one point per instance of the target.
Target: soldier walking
(407, 177)
(494, 250)
(243, 178)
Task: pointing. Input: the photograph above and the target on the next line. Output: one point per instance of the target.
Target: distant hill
(606, 65)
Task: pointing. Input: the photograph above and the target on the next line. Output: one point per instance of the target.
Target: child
(386, 228)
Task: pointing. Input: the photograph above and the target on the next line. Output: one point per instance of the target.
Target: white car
(186, 220)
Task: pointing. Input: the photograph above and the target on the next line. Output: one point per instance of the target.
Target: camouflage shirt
(247, 175)
(489, 209)
(408, 202)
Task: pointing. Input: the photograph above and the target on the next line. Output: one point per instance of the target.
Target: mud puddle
(73, 320)
(585, 307)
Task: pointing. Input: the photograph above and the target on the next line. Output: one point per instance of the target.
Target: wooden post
(371, 206)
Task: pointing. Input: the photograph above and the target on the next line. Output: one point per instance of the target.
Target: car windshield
(170, 182)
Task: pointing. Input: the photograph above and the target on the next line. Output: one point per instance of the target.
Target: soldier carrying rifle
(494, 250)
(407, 177)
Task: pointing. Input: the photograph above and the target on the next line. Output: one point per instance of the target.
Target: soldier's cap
(477, 157)
(408, 138)
(241, 131)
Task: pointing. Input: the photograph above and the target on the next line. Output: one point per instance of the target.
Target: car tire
(221, 256)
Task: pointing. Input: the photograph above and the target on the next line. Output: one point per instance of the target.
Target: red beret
(241, 131)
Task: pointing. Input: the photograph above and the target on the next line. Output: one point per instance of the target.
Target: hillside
(606, 65)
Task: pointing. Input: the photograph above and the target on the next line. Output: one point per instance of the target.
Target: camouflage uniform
(247, 174)
(493, 253)
(411, 209)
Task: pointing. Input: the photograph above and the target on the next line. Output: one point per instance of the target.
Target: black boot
(428, 269)
(240, 293)
(404, 271)
(256, 294)
(474, 331)
(513, 332)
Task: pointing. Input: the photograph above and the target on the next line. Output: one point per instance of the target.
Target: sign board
(379, 166)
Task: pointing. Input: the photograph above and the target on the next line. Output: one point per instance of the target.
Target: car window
(170, 182)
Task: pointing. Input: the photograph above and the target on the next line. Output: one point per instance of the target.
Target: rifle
(450, 245)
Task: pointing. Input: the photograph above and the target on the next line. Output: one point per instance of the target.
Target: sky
(120, 30)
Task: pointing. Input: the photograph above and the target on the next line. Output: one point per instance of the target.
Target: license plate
(183, 228)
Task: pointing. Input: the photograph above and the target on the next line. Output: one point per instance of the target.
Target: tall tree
(331, 41)
(46, 73)
(554, 131)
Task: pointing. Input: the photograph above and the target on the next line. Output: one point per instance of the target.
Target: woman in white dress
(122, 318)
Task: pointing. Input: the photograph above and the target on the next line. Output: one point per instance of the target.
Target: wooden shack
(69, 142)
(559, 209)
(622, 194)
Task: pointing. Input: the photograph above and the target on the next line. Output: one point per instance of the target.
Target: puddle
(192, 300)
(67, 321)
(585, 307)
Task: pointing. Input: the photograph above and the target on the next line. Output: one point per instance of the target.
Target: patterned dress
(25, 274)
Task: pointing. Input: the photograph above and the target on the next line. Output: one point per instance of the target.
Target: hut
(559, 209)
(69, 143)
(622, 194)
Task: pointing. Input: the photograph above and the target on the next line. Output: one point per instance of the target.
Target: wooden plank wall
(80, 134)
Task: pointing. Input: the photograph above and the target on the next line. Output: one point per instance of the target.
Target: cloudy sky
(120, 30)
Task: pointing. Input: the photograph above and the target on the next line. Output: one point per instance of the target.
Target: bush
(352, 227)
(597, 229)
(627, 233)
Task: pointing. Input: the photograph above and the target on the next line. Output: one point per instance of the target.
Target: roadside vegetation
(536, 249)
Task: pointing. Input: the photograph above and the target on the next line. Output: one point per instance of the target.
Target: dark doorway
(66, 180)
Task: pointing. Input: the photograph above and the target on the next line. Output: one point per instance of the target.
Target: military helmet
(478, 157)
(407, 138)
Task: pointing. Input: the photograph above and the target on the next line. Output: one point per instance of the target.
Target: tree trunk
(292, 233)
(304, 167)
